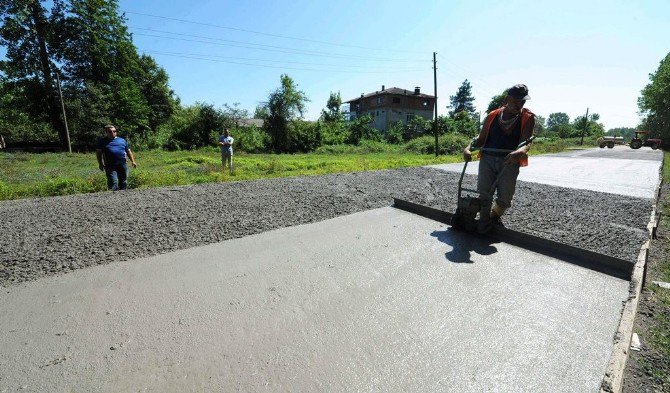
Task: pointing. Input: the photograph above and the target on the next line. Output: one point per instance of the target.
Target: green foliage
(566, 131)
(360, 129)
(395, 134)
(539, 129)
(303, 136)
(104, 79)
(654, 103)
(333, 112)
(463, 101)
(31, 175)
(451, 143)
(251, 139)
(555, 120)
(416, 127)
(364, 147)
(333, 133)
(285, 104)
(497, 102)
(462, 123)
(626, 132)
(233, 114)
(27, 32)
(592, 128)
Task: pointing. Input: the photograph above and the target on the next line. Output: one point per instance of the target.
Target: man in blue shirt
(112, 153)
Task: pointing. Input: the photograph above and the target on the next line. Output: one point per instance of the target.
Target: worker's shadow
(464, 244)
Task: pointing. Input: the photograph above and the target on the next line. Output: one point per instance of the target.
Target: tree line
(86, 44)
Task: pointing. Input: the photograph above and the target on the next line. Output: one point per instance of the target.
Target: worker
(504, 129)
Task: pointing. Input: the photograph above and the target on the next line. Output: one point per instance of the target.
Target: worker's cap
(519, 92)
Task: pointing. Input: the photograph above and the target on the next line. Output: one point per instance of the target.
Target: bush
(365, 147)
(395, 133)
(447, 144)
(360, 129)
(251, 140)
(303, 136)
(333, 133)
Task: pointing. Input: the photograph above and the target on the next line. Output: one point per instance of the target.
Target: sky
(572, 55)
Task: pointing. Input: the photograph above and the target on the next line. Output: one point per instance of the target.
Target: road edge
(613, 380)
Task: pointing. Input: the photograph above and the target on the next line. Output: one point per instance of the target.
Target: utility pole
(586, 124)
(62, 106)
(435, 85)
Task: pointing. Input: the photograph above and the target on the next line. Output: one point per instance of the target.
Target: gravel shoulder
(48, 236)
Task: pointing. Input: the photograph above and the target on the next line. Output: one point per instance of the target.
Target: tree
(555, 120)
(333, 112)
(463, 101)
(27, 35)
(462, 123)
(100, 57)
(285, 104)
(233, 114)
(626, 132)
(654, 103)
(496, 102)
(539, 125)
(261, 112)
(417, 126)
(360, 129)
(593, 128)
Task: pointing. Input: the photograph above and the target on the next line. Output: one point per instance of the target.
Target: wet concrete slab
(620, 170)
(381, 300)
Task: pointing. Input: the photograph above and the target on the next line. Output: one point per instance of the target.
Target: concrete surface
(620, 170)
(381, 300)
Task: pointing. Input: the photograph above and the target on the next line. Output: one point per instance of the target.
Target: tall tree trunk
(37, 14)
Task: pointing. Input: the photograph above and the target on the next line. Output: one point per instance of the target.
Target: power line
(272, 48)
(267, 34)
(486, 87)
(200, 55)
(281, 68)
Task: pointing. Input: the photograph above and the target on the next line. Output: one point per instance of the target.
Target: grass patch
(25, 175)
(657, 365)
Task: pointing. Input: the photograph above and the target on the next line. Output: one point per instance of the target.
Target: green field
(24, 175)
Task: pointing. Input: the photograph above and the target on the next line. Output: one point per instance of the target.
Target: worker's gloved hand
(467, 155)
(515, 156)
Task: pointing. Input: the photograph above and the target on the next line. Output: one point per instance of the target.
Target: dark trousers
(117, 176)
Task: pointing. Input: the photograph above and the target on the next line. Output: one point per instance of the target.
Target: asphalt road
(374, 301)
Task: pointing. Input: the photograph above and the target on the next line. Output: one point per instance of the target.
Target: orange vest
(526, 115)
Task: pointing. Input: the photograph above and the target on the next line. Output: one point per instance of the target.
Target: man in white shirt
(226, 143)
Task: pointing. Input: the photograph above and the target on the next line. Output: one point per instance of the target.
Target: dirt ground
(648, 370)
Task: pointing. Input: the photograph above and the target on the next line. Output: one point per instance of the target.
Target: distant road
(620, 170)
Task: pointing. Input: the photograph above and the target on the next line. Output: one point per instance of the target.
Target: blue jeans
(117, 176)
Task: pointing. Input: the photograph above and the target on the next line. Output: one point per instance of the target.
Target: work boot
(496, 221)
(484, 225)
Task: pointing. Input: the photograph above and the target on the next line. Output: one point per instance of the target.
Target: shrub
(395, 133)
(447, 144)
(303, 136)
(360, 129)
(365, 147)
(251, 140)
(333, 133)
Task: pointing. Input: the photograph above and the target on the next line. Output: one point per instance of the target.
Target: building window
(377, 113)
(425, 103)
(409, 116)
(396, 100)
(380, 99)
